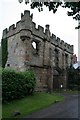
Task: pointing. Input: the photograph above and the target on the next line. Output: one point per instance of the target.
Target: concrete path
(68, 109)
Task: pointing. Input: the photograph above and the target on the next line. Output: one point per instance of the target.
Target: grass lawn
(29, 104)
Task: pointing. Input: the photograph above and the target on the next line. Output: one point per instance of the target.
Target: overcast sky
(60, 24)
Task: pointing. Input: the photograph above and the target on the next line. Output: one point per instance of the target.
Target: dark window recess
(66, 59)
(26, 52)
(62, 60)
(8, 65)
(56, 57)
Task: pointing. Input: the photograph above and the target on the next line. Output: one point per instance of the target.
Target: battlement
(26, 14)
(12, 30)
(61, 44)
(37, 31)
(26, 23)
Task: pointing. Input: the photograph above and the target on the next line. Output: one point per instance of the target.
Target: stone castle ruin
(49, 58)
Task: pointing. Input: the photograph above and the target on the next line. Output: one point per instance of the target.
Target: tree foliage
(73, 78)
(73, 6)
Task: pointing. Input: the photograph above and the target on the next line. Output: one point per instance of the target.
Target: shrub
(74, 87)
(16, 85)
(73, 82)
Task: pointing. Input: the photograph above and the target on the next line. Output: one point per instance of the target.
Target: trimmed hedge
(16, 85)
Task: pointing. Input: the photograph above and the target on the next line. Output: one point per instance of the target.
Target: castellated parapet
(26, 23)
(47, 58)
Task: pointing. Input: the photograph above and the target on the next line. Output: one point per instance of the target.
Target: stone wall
(48, 54)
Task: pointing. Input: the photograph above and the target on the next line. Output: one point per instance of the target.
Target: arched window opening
(35, 46)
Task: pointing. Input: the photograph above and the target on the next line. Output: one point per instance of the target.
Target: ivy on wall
(4, 48)
(0, 56)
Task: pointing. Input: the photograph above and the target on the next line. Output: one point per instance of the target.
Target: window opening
(8, 65)
(34, 44)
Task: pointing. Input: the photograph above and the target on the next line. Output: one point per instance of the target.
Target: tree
(73, 6)
(73, 81)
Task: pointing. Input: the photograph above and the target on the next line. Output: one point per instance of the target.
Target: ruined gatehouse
(49, 58)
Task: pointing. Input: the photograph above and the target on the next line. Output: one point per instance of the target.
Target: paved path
(67, 109)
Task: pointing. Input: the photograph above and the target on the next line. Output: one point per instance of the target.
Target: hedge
(74, 87)
(73, 78)
(16, 85)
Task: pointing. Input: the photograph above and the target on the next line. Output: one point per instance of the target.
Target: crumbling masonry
(48, 58)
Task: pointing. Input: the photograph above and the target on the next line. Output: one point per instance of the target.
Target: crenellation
(26, 16)
(47, 26)
(72, 48)
(62, 44)
(31, 16)
(22, 15)
(53, 37)
(26, 20)
(12, 27)
(40, 28)
(69, 47)
(26, 13)
(33, 25)
(5, 31)
(37, 31)
(18, 26)
(65, 46)
(47, 31)
(58, 41)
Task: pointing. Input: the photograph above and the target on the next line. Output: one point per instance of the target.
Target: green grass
(29, 104)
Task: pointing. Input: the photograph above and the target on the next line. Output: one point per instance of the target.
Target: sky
(61, 25)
